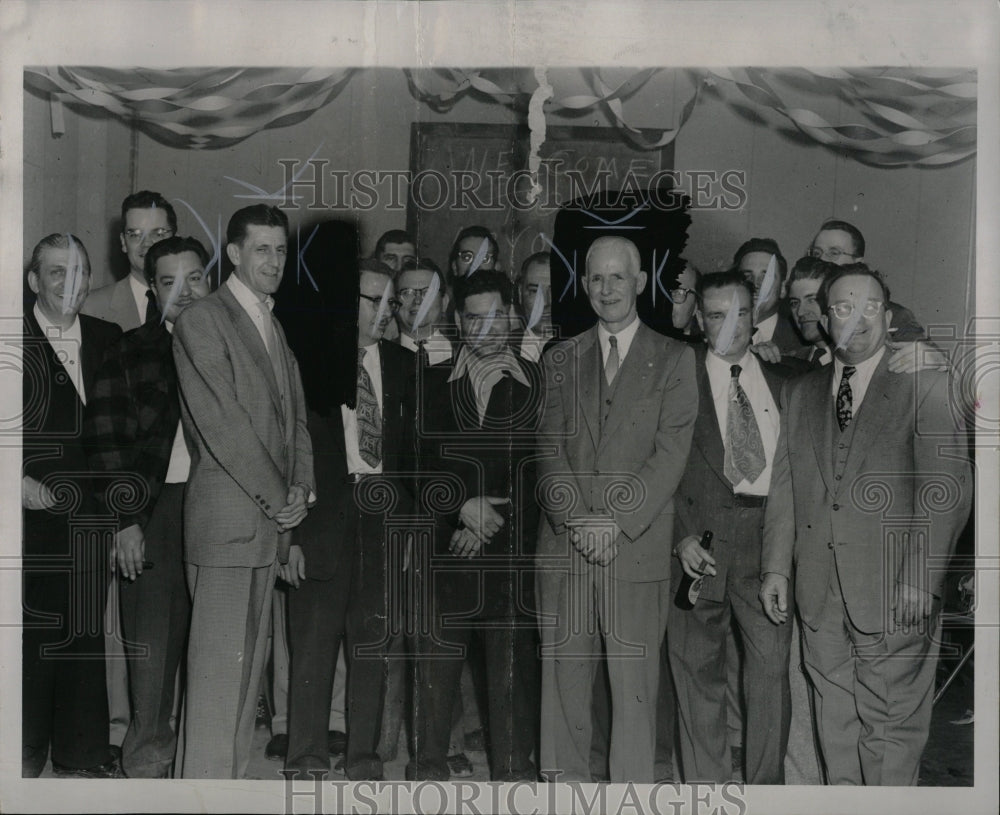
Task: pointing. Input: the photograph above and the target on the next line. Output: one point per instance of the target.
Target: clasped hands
(596, 539)
(480, 522)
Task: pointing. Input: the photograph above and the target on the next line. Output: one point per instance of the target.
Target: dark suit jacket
(705, 495)
(495, 458)
(52, 421)
(327, 535)
(633, 467)
(895, 513)
(247, 448)
(132, 415)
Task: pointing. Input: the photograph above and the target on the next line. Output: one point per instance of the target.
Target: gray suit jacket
(896, 511)
(115, 304)
(247, 449)
(631, 469)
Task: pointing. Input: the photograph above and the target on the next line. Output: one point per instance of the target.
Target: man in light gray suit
(620, 408)
(871, 488)
(251, 481)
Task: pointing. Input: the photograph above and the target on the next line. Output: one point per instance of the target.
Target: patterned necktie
(611, 366)
(369, 417)
(744, 457)
(845, 398)
(152, 311)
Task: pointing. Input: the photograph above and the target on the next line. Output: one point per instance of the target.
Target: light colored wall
(918, 221)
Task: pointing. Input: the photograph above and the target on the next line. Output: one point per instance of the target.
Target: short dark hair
(375, 266)
(171, 246)
(719, 280)
(810, 268)
(851, 269)
(147, 199)
(768, 246)
(57, 240)
(475, 231)
(393, 236)
(256, 215)
(538, 257)
(843, 226)
(481, 282)
(424, 264)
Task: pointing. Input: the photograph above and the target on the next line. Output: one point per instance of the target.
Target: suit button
(837, 477)
(829, 545)
(836, 507)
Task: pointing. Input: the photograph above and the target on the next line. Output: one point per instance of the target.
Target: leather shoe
(277, 747)
(336, 741)
(460, 766)
(110, 769)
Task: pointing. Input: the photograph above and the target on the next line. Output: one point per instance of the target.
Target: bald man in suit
(621, 403)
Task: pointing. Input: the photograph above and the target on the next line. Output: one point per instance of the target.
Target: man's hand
(595, 541)
(128, 551)
(767, 351)
(910, 605)
(295, 570)
(697, 562)
(295, 509)
(774, 597)
(465, 543)
(909, 357)
(35, 495)
(480, 518)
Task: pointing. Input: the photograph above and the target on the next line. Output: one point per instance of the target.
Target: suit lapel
(707, 433)
(820, 412)
(589, 391)
(252, 341)
(90, 355)
(123, 304)
(871, 417)
(633, 379)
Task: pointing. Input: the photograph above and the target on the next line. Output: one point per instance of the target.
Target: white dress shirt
(532, 345)
(355, 464)
(624, 337)
(765, 410)
(859, 381)
(485, 373)
(438, 346)
(66, 342)
(179, 467)
(249, 300)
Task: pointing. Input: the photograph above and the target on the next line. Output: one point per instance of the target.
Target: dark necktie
(369, 417)
(422, 358)
(845, 398)
(744, 458)
(152, 311)
(611, 366)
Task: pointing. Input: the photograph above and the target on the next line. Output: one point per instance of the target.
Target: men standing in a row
(725, 489)
(133, 426)
(146, 217)
(477, 424)
(64, 695)
(251, 482)
(867, 576)
(620, 408)
(340, 562)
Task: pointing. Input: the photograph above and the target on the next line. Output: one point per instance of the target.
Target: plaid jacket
(132, 415)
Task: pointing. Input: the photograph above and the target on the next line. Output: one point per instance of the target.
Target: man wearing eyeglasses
(422, 295)
(340, 562)
(147, 218)
(475, 248)
(861, 454)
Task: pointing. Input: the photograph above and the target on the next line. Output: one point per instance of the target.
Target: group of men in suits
(481, 478)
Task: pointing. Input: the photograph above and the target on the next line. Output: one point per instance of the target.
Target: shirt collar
(47, 326)
(469, 363)
(863, 370)
(246, 297)
(624, 337)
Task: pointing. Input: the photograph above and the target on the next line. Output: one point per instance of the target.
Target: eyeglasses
(845, 309)
(678, 296)
(392, 302)
(412, 294)
(156, 234)
(467, 257)
(832, 254)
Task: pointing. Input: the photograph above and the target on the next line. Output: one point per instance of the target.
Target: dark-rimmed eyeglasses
(393, 303)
